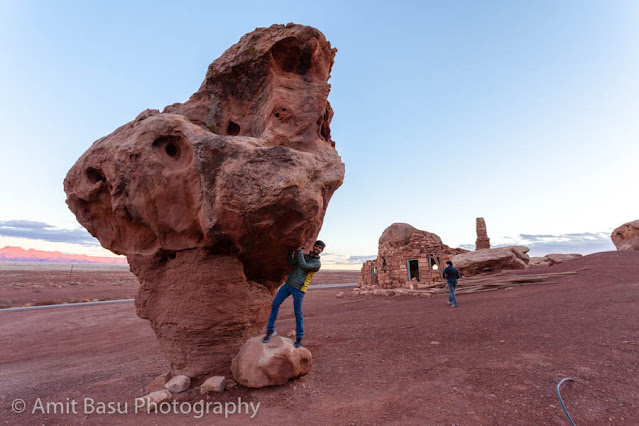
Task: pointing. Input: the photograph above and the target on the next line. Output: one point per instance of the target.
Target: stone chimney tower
(483, 242)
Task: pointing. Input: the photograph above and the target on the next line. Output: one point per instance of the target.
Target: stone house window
(433, 263)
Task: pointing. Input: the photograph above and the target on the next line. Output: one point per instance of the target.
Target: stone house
(407, 257)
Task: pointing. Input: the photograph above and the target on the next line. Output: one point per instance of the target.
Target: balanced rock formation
(258, 364)
(206, 198)
(626, 237)
(491, 260)
(482, 242)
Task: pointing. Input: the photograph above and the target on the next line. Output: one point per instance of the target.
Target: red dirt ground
(496, 360)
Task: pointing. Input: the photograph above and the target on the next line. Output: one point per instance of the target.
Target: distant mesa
(18, 254)
(626, 237)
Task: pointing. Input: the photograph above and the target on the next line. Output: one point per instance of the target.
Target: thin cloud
(27, 224)
(537, 237)
(339, 259)
(360, 259)
(42, 231)
(590, 235)
(542, 244)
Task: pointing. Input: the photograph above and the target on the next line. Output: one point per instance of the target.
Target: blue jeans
(451, 295)
(298, 295)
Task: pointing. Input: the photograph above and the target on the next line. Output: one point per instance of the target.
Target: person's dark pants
(298, 296)
(451, 296)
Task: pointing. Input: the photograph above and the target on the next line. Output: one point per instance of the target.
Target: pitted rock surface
(206, 198)
(626, 237)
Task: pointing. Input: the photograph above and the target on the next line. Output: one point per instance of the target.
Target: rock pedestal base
(201, 307)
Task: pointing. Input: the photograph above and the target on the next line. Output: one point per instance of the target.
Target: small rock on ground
(178, 384)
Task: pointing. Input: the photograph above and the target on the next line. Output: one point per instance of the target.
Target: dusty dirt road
(496, 360)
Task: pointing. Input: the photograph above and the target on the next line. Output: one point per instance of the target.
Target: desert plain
(376, 360)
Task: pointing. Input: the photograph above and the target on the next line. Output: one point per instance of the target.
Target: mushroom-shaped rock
(626, 237)
(274, 363)
(207, 197)
(491, 260)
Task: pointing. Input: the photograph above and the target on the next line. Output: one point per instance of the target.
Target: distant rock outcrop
(206, 198)
(626, 237)
(552, 259)
(538, 261)
(491, 260)
(482, 242)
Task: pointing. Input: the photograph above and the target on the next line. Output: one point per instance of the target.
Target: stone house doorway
(413, 269)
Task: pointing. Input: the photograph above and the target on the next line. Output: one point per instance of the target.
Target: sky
(524, 113)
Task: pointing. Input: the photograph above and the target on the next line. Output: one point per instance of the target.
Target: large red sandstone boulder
(491, 260)
(626, 237)
(260, 364)
(206, 197)
(399, 234)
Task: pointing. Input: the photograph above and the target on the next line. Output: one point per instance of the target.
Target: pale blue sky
(521, 112)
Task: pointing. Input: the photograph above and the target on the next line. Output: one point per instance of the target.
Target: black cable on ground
(562, 402)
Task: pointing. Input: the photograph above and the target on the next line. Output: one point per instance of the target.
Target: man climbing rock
(304, 267)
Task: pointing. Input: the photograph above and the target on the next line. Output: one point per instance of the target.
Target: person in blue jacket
(304, 267)
(451, 275)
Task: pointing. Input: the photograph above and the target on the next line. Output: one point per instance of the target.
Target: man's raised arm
(312, 265)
